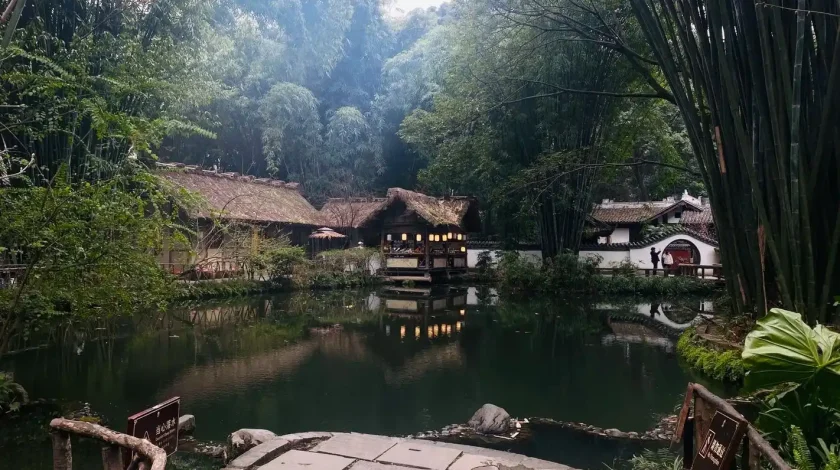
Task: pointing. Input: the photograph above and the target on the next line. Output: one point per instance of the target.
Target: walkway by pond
(278, 363)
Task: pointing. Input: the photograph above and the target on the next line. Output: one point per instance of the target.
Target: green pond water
(398, 363)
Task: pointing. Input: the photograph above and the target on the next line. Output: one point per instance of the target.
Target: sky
(398, 8)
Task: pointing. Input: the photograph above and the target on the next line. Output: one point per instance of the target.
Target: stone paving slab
(365, 465)
(420, 455)
(301, 460)
(472, 461)
(360, 446)
(259, 454)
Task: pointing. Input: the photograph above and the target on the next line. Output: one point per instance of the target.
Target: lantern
(404, 237)
(463, 249)
(463, 312)
(449, 235)
(437, 238)
(460, 237)
(402, 332)
(444, 237)
(419, 237)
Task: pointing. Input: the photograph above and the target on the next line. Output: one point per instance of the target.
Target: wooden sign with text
(720, 443)
(158, 425)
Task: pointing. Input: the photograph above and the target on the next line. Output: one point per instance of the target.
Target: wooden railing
(145, 455)
(755, 450)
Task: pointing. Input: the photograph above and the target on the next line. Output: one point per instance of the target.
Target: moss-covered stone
(703, 357)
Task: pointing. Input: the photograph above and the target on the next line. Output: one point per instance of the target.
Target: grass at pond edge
(725, 366)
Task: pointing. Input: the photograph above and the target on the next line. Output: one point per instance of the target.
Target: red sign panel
(158, 425)
(721, 442)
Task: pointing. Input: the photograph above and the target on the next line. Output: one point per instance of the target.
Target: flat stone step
(259, 455)
(351, 451)
(302, 460)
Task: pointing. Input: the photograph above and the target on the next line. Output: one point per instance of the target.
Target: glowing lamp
(402, 332)
(444, 237)
(463, 312)
(460, 237)
(416, 331)
(404, 237)
(449, 235)
(419, 237)
(463, 249)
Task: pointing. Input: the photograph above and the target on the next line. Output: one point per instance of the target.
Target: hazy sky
(401, 7)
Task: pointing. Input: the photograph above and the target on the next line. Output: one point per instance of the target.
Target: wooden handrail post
(112, 457)
(62, 451)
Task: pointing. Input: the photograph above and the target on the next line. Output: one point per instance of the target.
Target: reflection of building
(422, 237)
(423, 300)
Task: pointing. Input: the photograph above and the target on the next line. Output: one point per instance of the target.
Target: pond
(387, 361)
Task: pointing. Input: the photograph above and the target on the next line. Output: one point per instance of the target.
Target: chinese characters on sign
(158, 425)
(720, 443)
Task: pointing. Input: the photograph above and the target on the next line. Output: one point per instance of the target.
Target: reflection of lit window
(416, 331)
(430, 333)
(458, 326)
(463, 312)
(448, 330)
(437, 330)
(387, 330)
(402, 332)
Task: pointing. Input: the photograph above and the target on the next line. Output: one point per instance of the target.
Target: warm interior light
(404, 237)
(458, 326)
(419, 237)
(437, 238)
(463, 249)
(463, 312)
(416, 331)
(449, 235)
(460, 237)
(402, 332)
(444, 237)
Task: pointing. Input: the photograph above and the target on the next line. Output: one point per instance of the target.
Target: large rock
(244, 439)
(490, 419)
(186, 424)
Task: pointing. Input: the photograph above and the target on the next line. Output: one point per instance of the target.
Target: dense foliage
(720, 365)
(569, 274)
(88, 251)
(803, 364)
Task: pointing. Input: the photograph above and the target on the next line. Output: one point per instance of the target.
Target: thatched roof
(456, 211)
(235, 197)
(351, 212)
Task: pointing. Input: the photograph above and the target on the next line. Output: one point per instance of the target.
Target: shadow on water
(394, 362)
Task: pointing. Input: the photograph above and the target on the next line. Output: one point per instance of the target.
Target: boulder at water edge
(490, 419)
(186, 424)
(244, 439)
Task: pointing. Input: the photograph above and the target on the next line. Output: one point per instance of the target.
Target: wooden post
(703, 414)
(754, 456)
(62, 451)
(688, 443)
(112, 458)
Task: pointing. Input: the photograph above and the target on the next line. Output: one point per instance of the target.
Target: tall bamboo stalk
(757, 87)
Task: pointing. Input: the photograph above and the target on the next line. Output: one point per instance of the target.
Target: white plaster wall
(620, 235)
(641, 256)
(609, 258)
(535, 256)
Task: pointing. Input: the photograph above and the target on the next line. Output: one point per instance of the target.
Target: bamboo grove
(757, 83)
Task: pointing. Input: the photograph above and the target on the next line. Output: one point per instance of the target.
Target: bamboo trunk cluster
(757, 83)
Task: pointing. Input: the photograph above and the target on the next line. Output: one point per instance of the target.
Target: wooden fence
(756, 452)
(146, 456)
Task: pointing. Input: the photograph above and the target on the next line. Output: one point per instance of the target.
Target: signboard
(720, 443)
(158, 425)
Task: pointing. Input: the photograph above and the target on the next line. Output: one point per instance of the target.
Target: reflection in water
(393, 362)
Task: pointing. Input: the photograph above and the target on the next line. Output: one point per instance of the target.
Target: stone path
(343, 451)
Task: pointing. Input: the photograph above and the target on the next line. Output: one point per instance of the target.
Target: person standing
(668, 261)
(654, 257)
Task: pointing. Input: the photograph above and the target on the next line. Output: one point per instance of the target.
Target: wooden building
(423, 238)
(236, 211)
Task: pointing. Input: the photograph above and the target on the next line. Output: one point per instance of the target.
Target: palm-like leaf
(784, 349)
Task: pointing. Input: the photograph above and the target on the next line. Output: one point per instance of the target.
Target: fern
(799, 448)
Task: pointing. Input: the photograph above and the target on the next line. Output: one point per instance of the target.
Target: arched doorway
(683, 252)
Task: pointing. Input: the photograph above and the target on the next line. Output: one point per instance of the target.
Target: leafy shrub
(660, 459)
(283, 261)
(572, 274)
(803, 363)
(725, 366)
(348, 260)
(226, 288)
(12, 395)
